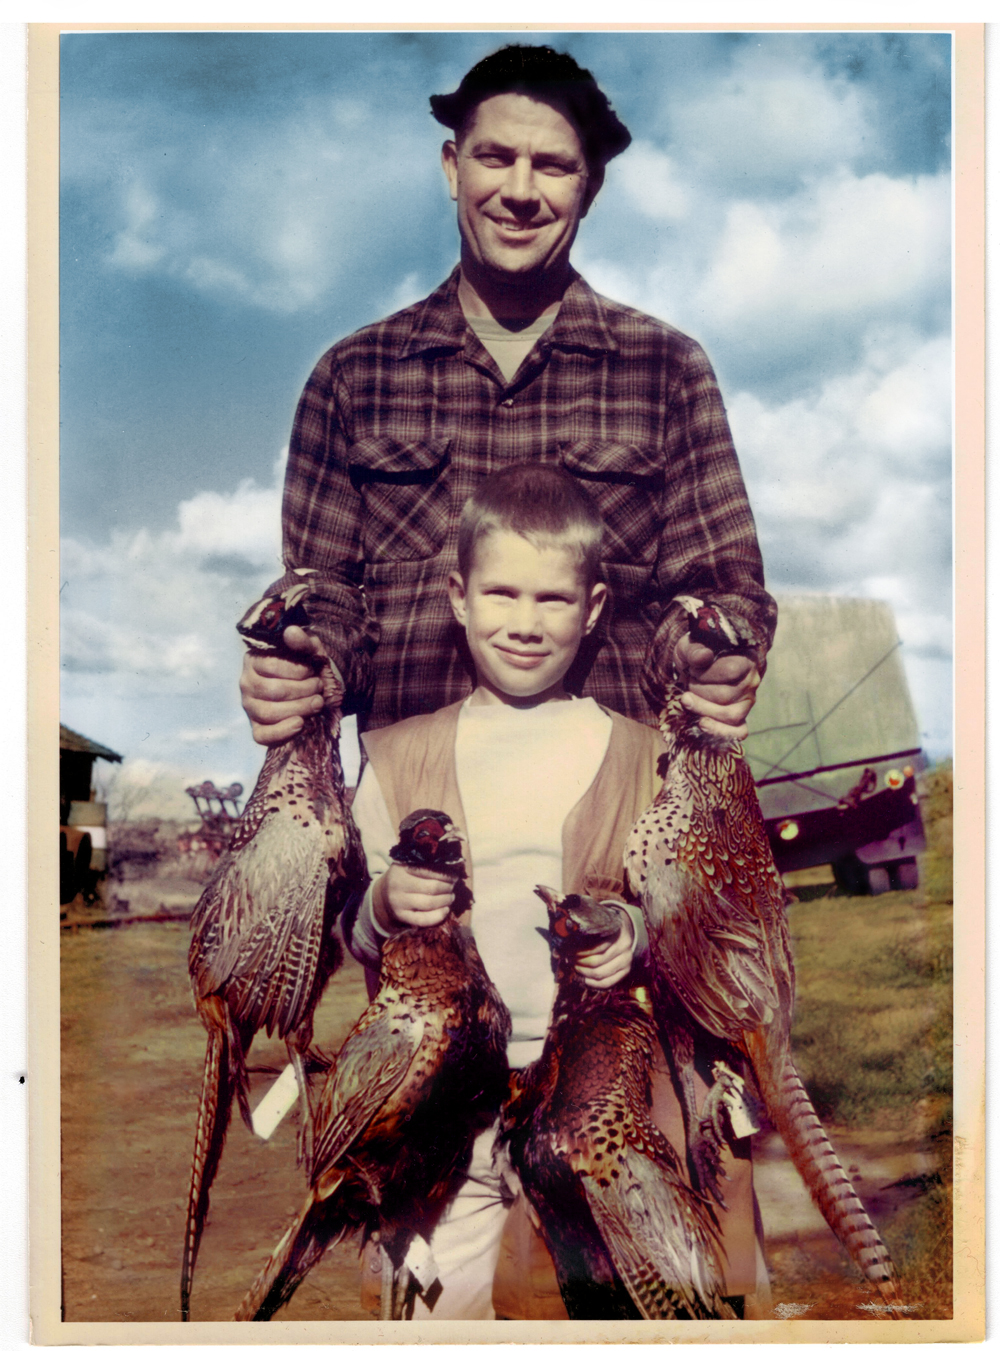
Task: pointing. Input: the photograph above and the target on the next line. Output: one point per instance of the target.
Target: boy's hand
(721, 689)
(278, 694)
(416, 896)
(609, 963)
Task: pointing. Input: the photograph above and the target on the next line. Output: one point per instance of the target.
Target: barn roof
(73, 741)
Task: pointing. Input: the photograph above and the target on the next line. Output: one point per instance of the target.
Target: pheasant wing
(275, 974)
(260, 925)
(662, 1249)
(718, 959)
(371, 1066)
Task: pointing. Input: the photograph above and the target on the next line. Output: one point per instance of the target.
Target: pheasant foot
(712, 1127)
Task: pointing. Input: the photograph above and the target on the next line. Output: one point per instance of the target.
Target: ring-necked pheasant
(699, 861)
(423, 1070)
(263, 944)
(629, 1238)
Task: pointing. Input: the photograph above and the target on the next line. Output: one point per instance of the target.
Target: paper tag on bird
(420, 1261)
(742, 1113)
(276, 1103)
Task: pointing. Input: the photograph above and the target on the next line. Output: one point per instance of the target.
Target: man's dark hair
(544, 74)
(543, 504)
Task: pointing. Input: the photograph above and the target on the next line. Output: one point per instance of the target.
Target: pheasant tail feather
(236, 1048)
(813, 1155)
(303, 1244)
(214, 1110)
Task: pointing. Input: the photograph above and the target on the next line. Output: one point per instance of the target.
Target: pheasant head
(575, 923)
(715, 628)
(264, 624)
(726, 634)
(429, 839)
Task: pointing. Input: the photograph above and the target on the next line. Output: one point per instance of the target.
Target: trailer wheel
(906, 875)
(850, 875)
(878, 881)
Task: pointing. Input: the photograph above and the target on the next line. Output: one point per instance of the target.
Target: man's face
(520, 179)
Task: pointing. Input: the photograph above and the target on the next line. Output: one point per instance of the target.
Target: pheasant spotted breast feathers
(714, 903)
(628, 1237)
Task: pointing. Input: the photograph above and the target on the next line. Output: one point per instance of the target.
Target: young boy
(545, 787)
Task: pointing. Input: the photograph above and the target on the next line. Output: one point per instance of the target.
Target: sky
(234, 203)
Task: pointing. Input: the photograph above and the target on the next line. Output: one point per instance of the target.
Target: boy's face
(525, 611)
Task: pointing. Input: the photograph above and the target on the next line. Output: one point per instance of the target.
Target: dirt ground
(132, 1053)
(132, 1056)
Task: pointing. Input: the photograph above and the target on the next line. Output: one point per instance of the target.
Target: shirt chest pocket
(406, 500)
(626, 483)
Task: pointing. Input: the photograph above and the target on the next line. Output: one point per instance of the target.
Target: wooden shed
(82, 821)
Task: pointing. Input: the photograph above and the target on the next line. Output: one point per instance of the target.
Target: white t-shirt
(520, 773)
(508, 347)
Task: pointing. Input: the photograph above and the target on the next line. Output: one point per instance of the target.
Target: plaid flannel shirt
(399, 422)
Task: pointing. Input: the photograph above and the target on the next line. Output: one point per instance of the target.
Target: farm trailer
(834, 745)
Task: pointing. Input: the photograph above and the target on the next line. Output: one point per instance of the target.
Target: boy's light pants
(466, 1242)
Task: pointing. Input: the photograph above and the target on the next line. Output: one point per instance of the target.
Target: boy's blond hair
(543, 504)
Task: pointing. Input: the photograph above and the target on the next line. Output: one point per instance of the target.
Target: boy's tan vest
(414, 762)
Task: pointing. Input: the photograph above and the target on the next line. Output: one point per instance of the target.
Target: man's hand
(721, 689)
(278, 695)
(416, 896)
(609, 963)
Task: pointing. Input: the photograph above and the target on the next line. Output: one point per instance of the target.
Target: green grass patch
(872, 1034)
(872, 1029)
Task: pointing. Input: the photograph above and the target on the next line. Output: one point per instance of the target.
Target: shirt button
(507, 403)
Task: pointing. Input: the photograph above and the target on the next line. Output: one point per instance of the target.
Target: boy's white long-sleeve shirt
(520, 773)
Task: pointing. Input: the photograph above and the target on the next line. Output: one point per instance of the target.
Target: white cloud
(245, 523)
(848, 247)
(851, 491)
(150, 653)
(819, 459)
(271, 214)
(159, 607)
(133, 249)
(651, 180)
(908, 413)
(91, 643)
(205, 735)
(770, 119)
(782, 292)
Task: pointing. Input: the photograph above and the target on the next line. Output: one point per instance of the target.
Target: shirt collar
(580, 321)
(439, 322)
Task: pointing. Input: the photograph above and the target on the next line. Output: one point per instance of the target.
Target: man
(513, 358)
